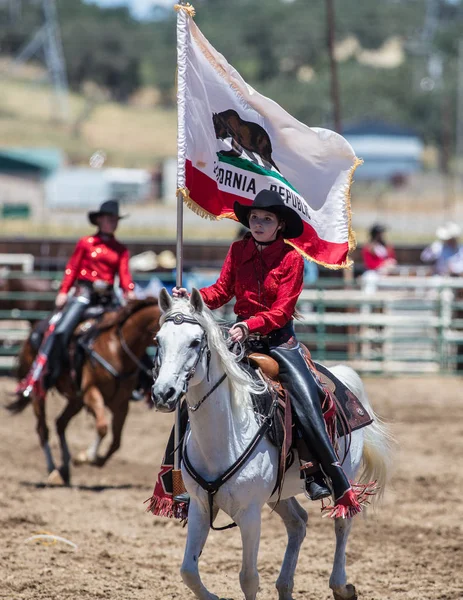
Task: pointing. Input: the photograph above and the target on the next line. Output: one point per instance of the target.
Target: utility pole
(336, 105)
(15, 10)
(54, 58)
(459, 127)
(48, 40)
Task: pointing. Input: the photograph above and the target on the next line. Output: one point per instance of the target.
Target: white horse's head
(182, 349)
(191, 348)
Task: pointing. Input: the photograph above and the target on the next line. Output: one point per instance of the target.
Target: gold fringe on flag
(350, 181)
(352, 243)
(192, 205)
(188, 8)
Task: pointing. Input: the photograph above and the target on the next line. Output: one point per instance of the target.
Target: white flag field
(234, 142)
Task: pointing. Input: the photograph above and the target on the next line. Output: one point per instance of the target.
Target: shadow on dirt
(85, 488)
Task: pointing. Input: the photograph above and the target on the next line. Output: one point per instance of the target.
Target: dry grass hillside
(140, 135)
(131, 136)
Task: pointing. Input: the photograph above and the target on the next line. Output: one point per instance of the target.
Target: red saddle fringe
(166, 507)
(351, 502)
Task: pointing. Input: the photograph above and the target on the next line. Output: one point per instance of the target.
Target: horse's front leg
(74, 405)
(38, 403)
(119, 417)
(198, 530)
(249, 522)
(94, 400)
(338, 579)
(295, 520)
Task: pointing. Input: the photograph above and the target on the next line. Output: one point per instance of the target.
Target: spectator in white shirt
(446, 252)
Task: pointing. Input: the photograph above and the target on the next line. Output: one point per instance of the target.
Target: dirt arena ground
(411, 548)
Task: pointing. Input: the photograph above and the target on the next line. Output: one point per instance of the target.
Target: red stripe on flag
(206, 194)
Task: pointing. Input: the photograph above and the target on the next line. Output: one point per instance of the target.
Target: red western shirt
(266, 284)
(95, 258)
(375, 255)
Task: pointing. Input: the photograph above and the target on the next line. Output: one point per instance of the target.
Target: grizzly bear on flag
(246, 136)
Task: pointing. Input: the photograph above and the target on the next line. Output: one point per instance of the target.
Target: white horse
(194, 358)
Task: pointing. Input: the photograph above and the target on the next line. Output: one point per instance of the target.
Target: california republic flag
(234, 142)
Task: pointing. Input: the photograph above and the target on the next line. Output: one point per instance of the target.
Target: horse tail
(18, 405)
(378, 441)
(377, 451)
(23, 364)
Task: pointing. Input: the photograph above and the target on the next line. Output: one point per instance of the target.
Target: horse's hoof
(54, 478)
(65, 474)
(80, 458)
(350, 593)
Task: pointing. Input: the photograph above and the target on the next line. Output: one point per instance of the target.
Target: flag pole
(184, 11)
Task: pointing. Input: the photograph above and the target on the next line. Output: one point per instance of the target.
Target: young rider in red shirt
(92, 268)
(266, 276)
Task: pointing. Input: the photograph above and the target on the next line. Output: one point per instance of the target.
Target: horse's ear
(196, 301)
(165, 301)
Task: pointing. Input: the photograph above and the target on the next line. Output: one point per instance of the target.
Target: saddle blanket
(344, 407)
(351, 415)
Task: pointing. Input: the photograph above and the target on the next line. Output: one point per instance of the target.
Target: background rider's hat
(110, 207)
(448, 231)
(376, 229)
(146, 261)
(271, 201)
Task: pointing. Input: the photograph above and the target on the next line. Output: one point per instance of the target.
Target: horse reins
(211, 391)
(106, 365)
(131, 354)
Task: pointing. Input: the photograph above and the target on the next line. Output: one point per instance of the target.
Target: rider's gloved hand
(239, 332)
(61, 300)
(130, 295)
(180, 292)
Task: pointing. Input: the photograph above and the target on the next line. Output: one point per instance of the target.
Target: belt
(275, 337)
(98, 286)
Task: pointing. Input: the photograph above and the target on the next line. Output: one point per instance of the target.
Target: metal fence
(404, 324)
(398, 324)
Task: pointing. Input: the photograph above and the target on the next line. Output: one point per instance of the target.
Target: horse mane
(118, 318)
(241, 383)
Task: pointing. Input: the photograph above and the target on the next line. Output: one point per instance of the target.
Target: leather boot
(315, 484)
(72, 315)
(316, 487)
(145, 380)
(305, 401)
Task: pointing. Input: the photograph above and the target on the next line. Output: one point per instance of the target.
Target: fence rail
(399, 324)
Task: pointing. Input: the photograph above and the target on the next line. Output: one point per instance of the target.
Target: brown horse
(122, 340)
(26, 293)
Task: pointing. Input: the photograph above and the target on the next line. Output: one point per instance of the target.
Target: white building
(84, 187)
(390, 152)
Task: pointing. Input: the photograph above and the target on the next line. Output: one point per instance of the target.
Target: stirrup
(185, 497)
(316, 488)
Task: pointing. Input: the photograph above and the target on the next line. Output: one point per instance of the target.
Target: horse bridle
(178, 319)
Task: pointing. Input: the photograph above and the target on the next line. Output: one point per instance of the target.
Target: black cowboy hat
(377, 228)
(110, 207)
(272, 202)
